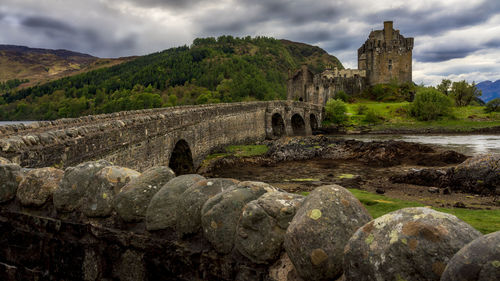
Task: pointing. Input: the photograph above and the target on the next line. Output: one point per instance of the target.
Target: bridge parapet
(145, 138)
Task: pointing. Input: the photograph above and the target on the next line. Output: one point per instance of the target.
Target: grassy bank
(486, 221)
(240, 151)
(381, 116)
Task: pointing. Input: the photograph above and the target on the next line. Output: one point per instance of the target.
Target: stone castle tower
(386, 55)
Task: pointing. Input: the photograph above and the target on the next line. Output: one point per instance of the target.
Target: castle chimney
(388, 31)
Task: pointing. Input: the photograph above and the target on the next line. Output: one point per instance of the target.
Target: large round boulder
(105, 185)
(191, 201)
(10, 177)
(162, 210)
(263, 225)
(408, 244)
(75, 183)
(221, 213)
(316, 237)
(38, 186)
(480, 174)
(133, 200)
(477, 261)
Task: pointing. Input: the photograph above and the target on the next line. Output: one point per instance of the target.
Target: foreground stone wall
(96, 221)
(145, 138)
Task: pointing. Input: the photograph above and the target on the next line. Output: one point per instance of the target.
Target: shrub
(336, 111)
(362, 109)
(430, 104)
(371, 116)
(341, 95)
(493, 106)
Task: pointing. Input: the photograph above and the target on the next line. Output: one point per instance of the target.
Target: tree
(463, 93)
(493, 105)
(444, 87)
(336, 111)
(430, 104)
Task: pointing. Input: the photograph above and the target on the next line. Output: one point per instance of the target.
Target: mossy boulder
(74, 186)
(221, 213)
(38, 186)
(134, 198)
(106, 183)
(10, 177)
(263, 225)
(191, 202)
(480, 174)
(162, 210)
(408, 244)
(477, 261)
(317, 234)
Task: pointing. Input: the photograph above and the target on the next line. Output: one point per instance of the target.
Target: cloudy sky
(455, 39)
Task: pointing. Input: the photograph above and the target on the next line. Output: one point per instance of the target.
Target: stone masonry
(385, 56)
(144, 138)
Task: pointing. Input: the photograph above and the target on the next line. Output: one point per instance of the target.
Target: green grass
(394, 115)
(247, 150)
(486, 221)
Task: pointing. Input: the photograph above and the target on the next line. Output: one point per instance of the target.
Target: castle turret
(386, 55)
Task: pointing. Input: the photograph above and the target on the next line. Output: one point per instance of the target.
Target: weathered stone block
(133, 200)
(191, 201)
(316, 237)
(408, 244)
(477, 261)
(221, 213)
(263, 224)
(162, 210)
(75, 184)
(38, 186)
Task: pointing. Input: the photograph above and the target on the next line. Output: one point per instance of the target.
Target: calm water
(466, 144)
(15, 122)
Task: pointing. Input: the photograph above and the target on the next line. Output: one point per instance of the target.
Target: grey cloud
(444, 54)
(284, 13)
(175, 4)
(47, 23)
(432, 21)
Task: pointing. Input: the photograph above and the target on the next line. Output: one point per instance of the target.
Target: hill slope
(211, 70)
(491, 90)
(42, 65)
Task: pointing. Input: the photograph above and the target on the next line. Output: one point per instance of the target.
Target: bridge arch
(181, 159)
(314, 122)
(298, 125)
(278, 125)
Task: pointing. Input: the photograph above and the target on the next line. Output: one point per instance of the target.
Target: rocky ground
(402, 170)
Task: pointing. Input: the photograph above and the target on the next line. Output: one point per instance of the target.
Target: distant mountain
(211, 70)
(42, 65)
(491, 90)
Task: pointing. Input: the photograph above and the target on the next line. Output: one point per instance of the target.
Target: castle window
(390, 65)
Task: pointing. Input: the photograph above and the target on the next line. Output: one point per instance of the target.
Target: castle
(384, 57)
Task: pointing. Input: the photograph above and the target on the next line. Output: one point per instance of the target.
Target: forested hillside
(211, 70)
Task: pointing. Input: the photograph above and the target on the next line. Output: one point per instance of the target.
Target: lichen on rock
(162, 210)
(316, 237)
(408, 244)
(477, 261)
(133, 200)
(38, 186)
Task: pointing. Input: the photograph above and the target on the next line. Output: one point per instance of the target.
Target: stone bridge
(180, 137)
